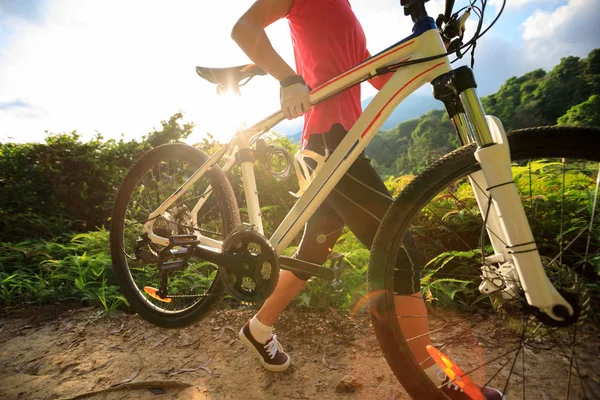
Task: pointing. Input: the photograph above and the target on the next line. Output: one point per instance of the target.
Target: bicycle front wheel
(498, 340)
(191, 290)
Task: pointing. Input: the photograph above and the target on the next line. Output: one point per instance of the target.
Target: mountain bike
(506, 226)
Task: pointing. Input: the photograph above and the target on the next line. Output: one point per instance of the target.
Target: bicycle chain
(187, 296)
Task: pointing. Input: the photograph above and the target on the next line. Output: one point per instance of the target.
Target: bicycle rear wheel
(499, 342)
(192, 291)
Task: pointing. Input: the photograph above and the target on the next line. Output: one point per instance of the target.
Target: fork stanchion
(476, 116)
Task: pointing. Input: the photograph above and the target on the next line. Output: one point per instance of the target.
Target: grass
(74, 270)
(79, 269)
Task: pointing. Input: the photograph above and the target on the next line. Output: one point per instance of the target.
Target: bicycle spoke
(453, 340)
(562, 210)
(575, 361)
(454, 233)
(469, 372)
(523, 372)
(587, 247)
(489, 201)
(516, 357)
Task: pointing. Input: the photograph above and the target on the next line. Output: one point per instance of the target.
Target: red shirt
(328, 40)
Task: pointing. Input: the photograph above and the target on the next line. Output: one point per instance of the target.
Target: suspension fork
(507, 224)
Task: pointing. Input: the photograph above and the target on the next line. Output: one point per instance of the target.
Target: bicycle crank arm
(215, 256)
(295, 265)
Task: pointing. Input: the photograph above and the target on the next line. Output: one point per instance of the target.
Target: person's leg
(320, 234)
(287, 288)
(412, 317)
(362, 199)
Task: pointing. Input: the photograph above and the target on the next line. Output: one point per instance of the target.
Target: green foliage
(49, 271)
(172, 131)
(320, 294)
(453, 219)
(413, 145)
(583, 114)
(567, 95)
(65, 184)
(516, 102)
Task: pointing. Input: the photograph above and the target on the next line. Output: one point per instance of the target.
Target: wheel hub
(569, 286)
(573, 299)
(566, 281)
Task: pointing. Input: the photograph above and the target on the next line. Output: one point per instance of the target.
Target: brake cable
(470, 45)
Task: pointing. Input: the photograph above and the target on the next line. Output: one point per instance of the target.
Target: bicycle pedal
(455, 373)
(184, 240)
(337, 267)
(153, 292)
(337, 263)
(182, 251)
(337, 285)
(174, 265)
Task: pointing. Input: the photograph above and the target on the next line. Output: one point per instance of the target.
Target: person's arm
(249, 34)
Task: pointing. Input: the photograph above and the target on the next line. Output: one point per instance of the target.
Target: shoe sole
(267, 366)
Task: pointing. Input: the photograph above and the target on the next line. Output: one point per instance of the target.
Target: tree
(564, 87)
(583, 114)
(172, 131)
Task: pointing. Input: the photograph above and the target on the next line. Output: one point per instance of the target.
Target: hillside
(566, 95)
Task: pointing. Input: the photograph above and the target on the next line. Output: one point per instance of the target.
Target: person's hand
(294, 100)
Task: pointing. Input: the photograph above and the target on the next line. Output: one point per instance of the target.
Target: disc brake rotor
(256, 279)
(569, 285)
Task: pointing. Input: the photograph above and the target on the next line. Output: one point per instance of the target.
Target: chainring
(256, 279)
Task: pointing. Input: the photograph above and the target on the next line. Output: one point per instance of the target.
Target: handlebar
(448, 9)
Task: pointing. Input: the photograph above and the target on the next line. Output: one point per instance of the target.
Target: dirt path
(82, 354)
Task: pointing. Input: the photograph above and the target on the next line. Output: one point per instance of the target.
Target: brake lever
(462, 21)
(454, 29)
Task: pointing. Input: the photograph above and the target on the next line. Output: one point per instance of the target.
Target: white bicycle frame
(507, 220)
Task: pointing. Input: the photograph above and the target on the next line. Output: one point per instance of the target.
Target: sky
(119, 67)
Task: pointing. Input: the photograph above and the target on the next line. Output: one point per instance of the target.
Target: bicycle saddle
(230, 77)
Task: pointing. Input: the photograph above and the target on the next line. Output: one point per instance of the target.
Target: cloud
(116, 67)
(22, 9)
(570, 29)
(519, 4)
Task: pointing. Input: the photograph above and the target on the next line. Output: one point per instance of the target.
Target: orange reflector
(152, 292)
(456, 374)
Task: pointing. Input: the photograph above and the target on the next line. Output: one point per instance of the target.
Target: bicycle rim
(497, 339)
